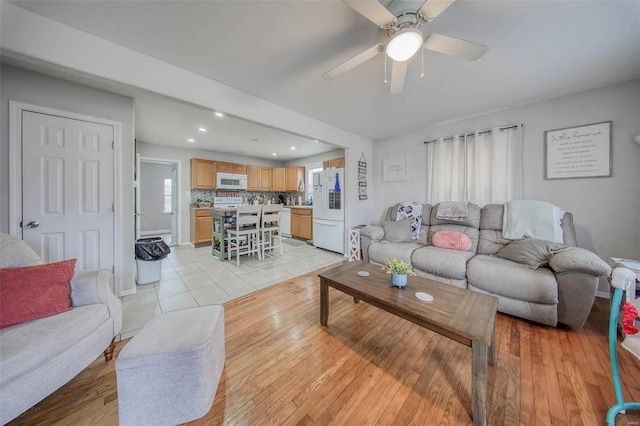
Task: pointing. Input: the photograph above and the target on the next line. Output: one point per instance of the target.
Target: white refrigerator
(328, 210)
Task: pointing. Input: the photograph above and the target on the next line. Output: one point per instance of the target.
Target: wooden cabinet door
(203, 224)
(337, 163)
(202, 174)
(238, 168)
(302, 223)
(278, 179)
(294, 175)
(254, 178)
(223, 167)
(265, 178)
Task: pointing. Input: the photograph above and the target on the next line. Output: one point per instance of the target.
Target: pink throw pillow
(451, 240)
(32, 292)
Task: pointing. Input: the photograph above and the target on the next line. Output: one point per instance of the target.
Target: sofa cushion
(451, 240)
(15, 252)
(444, 263)
(515, 280)
(26, 346)
(31, 292)
(530, 251)
(379, 252)
(397, 232)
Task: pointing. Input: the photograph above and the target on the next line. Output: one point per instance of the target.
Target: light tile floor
(193, 277)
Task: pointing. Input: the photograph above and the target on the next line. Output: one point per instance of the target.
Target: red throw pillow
(32, 292)
(451, 240)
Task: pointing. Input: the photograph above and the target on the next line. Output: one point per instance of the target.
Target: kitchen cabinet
(336, 163)
(278, 179)
(230, 167)
(294, 175)
(253, 178)
(258, 178)
(201, 222)
(265, 178)
(203, 174)
(302, 223)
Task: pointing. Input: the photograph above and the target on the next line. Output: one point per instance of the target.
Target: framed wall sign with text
(578, 152)
(394, 169)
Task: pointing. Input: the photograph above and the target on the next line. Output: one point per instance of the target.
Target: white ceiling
(278, 50)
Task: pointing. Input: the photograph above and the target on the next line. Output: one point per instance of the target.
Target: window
(311, 169)
(168, 184)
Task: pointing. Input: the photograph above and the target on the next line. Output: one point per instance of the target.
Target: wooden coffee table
(462, 315)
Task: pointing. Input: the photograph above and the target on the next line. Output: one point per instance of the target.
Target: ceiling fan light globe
(404, 44)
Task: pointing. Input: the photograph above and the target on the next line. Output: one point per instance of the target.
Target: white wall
(606, 210)
(152, 176)
(27, 35)
(37, 89)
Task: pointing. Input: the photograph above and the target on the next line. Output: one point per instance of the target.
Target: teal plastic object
(620, 405)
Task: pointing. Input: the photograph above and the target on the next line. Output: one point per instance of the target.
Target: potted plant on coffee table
(399, 269)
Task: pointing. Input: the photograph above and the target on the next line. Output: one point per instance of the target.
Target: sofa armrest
(92, 286)
(579, 260)
(373, 232)
(369, 235)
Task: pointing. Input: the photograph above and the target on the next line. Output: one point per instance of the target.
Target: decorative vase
(399, 280)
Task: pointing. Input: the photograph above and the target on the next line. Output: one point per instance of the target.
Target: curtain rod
(515, 126)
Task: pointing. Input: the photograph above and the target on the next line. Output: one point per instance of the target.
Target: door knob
(32, 224)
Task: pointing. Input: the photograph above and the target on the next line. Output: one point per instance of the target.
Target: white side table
(354, 243)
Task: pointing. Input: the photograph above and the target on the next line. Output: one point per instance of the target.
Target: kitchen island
(222, 218)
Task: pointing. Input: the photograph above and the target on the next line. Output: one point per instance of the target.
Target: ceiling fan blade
(353, 62)
(373, 11)
(430, 9)
(398, 74)
(455, 46)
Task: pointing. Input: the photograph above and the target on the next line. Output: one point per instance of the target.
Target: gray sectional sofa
(38, 357)
(561, 292)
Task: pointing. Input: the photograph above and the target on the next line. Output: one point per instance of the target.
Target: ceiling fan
(406, 39)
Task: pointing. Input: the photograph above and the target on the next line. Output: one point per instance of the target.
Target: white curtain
(493, 172)
(447, 171)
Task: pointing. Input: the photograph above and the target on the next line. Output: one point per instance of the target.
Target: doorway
(157, 199)
(62, 190)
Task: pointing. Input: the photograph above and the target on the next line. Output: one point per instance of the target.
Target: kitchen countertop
(298, 207)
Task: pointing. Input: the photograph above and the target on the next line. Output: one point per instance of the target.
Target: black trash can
(149, 255)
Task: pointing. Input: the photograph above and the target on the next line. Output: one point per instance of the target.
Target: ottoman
(169, 372)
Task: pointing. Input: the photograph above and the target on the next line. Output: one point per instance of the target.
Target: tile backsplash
(199, 195)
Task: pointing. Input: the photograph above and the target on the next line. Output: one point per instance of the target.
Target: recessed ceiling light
(274, 154)
(293, 147)
(202, 129)
(219, 114)
(191, 140)
(315, 140)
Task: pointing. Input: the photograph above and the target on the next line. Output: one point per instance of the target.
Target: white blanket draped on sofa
(532, 219)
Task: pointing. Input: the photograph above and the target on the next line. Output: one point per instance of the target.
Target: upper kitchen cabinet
(203, 174)
(294, 177)
(258, 178)
(278, 182)
(336, 163)
(230, 167)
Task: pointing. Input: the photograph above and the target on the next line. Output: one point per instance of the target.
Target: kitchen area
(218, 188)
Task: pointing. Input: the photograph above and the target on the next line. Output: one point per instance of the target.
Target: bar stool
(244, 238)
(622, 280)
(270, 224)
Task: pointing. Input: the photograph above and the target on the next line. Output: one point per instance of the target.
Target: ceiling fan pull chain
(385, 69)
(422, 75)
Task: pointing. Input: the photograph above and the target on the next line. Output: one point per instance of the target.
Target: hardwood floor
(370, 367)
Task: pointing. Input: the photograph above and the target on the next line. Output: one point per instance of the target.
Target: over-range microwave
(234, 181)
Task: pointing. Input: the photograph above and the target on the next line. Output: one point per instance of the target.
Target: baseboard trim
(157, 231)
(602, 294)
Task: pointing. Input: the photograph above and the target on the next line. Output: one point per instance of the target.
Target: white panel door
(67, 189)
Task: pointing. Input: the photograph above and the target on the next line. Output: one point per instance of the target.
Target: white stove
(226, 202)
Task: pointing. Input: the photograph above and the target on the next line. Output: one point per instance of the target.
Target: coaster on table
(363, 273)
(424, 296)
